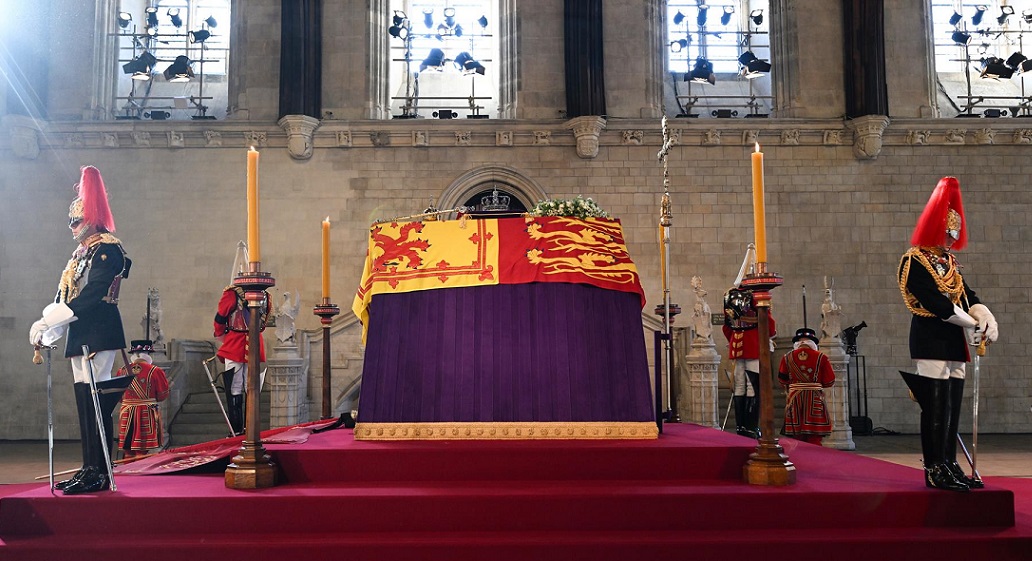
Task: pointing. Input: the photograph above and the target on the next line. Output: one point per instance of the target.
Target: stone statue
(701, 314)
(831, 313)
(286, 314)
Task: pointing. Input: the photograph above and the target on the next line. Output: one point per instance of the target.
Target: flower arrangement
(578, 207)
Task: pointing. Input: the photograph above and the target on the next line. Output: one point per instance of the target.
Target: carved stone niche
(867, 135)
(300, 132)
(587, 130)
(24, 136)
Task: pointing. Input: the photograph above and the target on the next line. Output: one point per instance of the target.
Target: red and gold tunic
(139, 422)
(744, 344)
(231, 322)
(805, 372)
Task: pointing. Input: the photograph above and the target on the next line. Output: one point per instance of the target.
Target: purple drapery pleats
(538, 352)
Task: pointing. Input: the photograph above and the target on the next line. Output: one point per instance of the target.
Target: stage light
(428, 17)
(449, 17)
(1027, 16)
(124, 19)
(678, 18)
(756, 16)
(152, 17)
(702, 72)
(961, 38)
(141, 66)
(995, 68)
(1005, 12)
(433, 61)
(976, 19)
(398, 31)
(1015, 60)
(211, 21)
(753, 67)
(468, 65)
(678, 46)
(1025, 66)
(457, 31)
(173, 14)
(726, 17)
(482, 21)
(701, 18)
(179, 70)
(399, 17)
(157, 115)
(955, 18)
(199, 36)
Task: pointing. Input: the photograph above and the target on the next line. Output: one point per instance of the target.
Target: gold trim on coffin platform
(507, 431)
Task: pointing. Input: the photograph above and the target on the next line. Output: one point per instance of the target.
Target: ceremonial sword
(38, 359)
(100, 417)
(979, 353)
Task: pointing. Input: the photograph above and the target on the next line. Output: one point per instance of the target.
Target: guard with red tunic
(139, 421)
(743, 350)
(231, 321)
(946, 316)
(805, 372)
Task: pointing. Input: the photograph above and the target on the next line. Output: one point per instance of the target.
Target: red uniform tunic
(805, 373)
(139, 422)
(745, 344)
(230, 321)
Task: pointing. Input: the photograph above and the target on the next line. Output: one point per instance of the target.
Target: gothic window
(718, 58)
(978, 56)
(443, 58)
(172, 58)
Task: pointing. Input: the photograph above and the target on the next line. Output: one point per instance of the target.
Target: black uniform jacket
(99, 325)
(932, 337)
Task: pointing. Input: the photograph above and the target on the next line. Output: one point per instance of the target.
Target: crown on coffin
(494, 201)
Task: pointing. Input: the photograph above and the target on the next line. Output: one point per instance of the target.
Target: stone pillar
(698, 387)
(910, 60)
(807, 87)
(837, 396)
(285, 386)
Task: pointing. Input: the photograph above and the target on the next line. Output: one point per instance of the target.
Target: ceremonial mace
(665, 221)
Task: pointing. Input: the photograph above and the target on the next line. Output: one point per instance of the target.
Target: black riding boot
(956, 397)
(935, 425)
(741, 417)
(752, 407)
(94, 477)
(236, 413)
(82, 394)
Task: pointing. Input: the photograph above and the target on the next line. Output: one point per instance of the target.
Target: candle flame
(252, 149)
(326, 220)
(757, 147)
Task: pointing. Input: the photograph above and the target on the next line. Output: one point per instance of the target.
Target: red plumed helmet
(91, 206)
(943, 216)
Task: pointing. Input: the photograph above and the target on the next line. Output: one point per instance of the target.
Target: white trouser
(239, 378)
(940, 369)
(103, 362)
(741, 380)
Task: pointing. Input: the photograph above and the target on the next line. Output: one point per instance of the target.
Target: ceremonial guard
(231, 321)
(743, 350)
(139, 422)
(947, 316)
(86, 306)
(805, 372)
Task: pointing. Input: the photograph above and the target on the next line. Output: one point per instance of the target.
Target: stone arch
(475, 180)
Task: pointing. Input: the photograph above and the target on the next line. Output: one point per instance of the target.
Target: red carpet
(680, 496)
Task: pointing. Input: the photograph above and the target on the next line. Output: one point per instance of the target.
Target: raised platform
(680, 495)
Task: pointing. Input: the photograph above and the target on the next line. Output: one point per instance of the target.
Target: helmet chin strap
(83, 234)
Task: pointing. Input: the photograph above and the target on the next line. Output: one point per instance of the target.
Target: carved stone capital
(24, 133)
(867, 135)
(587, 130)
(300, 131)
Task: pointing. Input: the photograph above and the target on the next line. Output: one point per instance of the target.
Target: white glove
(36, 332)
(973, 336)
(961, 318)
(55, 316)
(986, 322)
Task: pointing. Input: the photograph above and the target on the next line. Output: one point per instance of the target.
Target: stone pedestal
(837, 396)
(698, 387)
(286, 386)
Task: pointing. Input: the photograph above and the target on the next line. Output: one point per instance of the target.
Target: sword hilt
(980, 351)
(37, 358)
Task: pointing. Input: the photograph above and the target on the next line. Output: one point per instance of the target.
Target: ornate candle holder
(326, 311)
(768, 464)
(251, 467)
